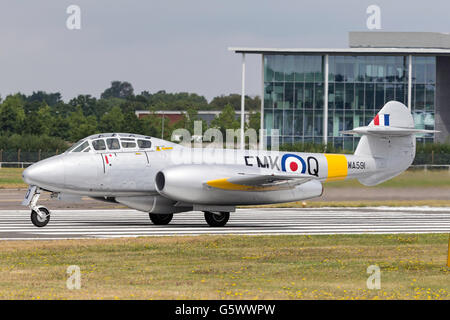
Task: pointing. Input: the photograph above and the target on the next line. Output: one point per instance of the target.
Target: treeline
(44, 121)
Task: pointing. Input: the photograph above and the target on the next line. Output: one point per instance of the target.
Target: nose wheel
(40, 216)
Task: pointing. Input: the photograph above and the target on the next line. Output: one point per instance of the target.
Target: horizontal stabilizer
(387, 131)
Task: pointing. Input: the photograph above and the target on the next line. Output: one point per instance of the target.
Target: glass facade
(358, 86)
(423, 95)
(293, 97)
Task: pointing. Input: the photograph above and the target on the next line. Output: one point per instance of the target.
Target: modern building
(311, 95)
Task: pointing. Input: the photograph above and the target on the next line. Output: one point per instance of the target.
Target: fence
(15, 164)
(426, 167)
(25, 156)
(432, 158)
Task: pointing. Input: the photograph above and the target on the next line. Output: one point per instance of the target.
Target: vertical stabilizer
(390, 139)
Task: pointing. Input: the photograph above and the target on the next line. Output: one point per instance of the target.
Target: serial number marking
(359, 165)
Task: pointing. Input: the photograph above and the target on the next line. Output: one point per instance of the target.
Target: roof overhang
(344, 51)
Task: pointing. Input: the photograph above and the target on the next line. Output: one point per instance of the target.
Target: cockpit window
(81, 147)
(144, 144)
(87, 149)
(75, 145)
(128, 144)
(99, 144)
(113, 144)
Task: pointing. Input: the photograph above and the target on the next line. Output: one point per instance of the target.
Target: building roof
(382, 39)
(345, 51)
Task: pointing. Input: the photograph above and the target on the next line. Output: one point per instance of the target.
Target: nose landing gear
(40, 215)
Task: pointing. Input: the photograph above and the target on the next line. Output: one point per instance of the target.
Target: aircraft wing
(259, 182)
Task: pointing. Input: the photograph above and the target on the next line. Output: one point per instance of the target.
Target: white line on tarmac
(71, 224)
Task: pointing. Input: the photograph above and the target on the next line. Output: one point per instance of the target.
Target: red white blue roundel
(293, 163)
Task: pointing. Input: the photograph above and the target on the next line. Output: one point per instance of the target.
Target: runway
(75, 224)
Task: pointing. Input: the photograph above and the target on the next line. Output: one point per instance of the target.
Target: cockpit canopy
(115, 142)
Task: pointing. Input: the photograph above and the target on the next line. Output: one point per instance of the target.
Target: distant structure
(311, 95)
(175, 116)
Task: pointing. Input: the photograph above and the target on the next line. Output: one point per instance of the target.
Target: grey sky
(177, 45)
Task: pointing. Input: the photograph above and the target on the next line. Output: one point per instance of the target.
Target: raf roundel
(293, 163)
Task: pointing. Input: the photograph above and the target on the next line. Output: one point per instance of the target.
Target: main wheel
(160, 219)
(217, 219)
(39, 221)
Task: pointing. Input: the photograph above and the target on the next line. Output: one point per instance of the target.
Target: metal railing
(427, 167)
(15, 164)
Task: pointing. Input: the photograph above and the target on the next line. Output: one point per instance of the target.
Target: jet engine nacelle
(188, 184)
(152, 204)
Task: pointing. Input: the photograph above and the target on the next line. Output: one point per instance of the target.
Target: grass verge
(229, 267)
(407, 179)
(357, 204)
(11, 178)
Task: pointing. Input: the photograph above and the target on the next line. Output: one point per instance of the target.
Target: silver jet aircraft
(163, 178)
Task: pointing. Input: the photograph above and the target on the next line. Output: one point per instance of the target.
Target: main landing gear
(161, 219)
(40, 215)
(217, 219)
(214, 219)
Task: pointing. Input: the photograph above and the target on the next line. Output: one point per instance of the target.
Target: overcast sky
(177, 45)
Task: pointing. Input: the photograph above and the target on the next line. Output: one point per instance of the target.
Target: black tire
(160, 219)
(217, 220)
(38, 221)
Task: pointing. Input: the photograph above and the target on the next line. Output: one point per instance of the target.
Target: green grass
(11, 178)
(229, 267)
(407, 179)
(357, 204)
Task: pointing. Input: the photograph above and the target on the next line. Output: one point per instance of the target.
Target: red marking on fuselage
(106, 158)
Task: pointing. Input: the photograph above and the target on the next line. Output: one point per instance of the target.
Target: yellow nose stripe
(337, 167)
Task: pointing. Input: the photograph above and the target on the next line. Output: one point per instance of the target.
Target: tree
(61, 128)
(226, 120)
(87, 103)
(218, 103)
(131, 123)
(81, 126)
(39, 122)
(162, 100)
(118, 89)
(188, 121)
(50, 99)
(152, 125)
(113, 121)
(254, 121)
(12, 115)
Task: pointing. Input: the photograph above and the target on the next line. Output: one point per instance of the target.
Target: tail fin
(390, 139)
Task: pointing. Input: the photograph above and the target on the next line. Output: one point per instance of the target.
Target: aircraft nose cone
(48, 173)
